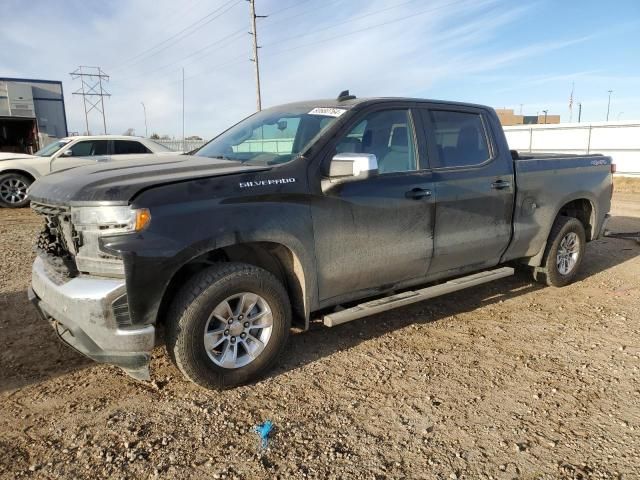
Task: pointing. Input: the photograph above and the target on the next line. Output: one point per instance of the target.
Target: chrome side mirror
(353, 165)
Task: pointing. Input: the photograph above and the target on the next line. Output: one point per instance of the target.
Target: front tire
(564, 253)
(228, 325)
(13, 190)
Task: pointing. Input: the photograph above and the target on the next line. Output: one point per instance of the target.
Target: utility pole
(254, 33)
(146, 130)
(91, 86)
(609, 103)
(545, 116)
(579, 111)
(521, 109)
(184, 145)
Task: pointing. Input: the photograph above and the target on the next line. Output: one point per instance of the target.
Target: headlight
(110, 220)
(91, 223)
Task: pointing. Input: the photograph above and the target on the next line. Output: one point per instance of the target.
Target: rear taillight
(613, 168)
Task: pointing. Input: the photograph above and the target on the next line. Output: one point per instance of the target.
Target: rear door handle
(418, 193)
(500, 185)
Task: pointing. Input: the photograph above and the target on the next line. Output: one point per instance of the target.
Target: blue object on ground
(264, 429)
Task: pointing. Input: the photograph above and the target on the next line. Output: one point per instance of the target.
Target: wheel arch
(277, 258)
(18, 171)
(581, 207)
(584, 210)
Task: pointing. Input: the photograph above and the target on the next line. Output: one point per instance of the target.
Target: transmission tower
(93, 94)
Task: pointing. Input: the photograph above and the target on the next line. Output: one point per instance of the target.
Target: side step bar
(406, 298)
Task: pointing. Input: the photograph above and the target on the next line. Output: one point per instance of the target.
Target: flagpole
(573, 84)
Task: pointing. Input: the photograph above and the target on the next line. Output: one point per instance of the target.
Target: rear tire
(228, 325)
(564, 253)
(13, 190)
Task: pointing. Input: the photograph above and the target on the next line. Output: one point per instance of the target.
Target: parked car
(294, 212)
(18, 171)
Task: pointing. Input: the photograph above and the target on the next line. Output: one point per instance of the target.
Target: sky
(523, 55)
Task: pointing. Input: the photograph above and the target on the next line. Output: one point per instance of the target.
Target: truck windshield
(272, 136)
(51, 148)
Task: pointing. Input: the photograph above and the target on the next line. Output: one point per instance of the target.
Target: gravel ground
(505, 380)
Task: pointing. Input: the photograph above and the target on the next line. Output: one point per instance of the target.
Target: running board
(407, 298)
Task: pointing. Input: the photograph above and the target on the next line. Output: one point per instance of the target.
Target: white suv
(18, 171)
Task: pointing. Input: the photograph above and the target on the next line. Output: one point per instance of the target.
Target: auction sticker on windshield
(327, 111)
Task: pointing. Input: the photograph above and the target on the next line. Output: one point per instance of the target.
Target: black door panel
(473, 220)
(473, 192)
(369, 234)
(373, 233)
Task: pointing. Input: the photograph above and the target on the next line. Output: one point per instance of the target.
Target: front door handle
(418, 193)
(500, 185)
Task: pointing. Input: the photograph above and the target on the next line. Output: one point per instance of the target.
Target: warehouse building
(32, 114)
(508, 117)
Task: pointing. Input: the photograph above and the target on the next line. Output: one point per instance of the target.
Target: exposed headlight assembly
(91, 223)
(121, 219)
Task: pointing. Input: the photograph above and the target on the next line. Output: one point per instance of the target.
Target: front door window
(389, 135)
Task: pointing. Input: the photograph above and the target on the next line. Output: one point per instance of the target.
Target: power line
(335, 24)
(135, 58)
(210, 16)
(304, 12)
(182, 60)
(240, 58)
(236, 33)
(287, 8)
(220, 43)
(334, 37)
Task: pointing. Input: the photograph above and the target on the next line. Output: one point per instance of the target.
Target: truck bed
(544, 183)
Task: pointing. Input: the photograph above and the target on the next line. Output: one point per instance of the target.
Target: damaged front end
(81, 291)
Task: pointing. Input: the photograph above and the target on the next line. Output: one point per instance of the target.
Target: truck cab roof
(365, 101)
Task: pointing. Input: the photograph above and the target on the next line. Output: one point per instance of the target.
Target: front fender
(181, 233)
(35, 168)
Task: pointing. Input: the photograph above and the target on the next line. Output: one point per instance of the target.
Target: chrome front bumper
(80, 311)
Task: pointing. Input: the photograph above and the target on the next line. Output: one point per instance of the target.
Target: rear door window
(128, 147)
(460, 137)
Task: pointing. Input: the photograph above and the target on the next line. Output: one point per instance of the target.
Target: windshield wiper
(222, 157)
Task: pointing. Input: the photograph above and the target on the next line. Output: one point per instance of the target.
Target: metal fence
(180, 146)
(271, 145)
(275, 145)
(619, 140)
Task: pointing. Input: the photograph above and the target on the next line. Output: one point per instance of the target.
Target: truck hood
(118, 182)
(14, 156)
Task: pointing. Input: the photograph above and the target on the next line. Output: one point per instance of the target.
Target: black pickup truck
(331, 210)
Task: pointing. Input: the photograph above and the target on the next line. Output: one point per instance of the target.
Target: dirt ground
(507, 380)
